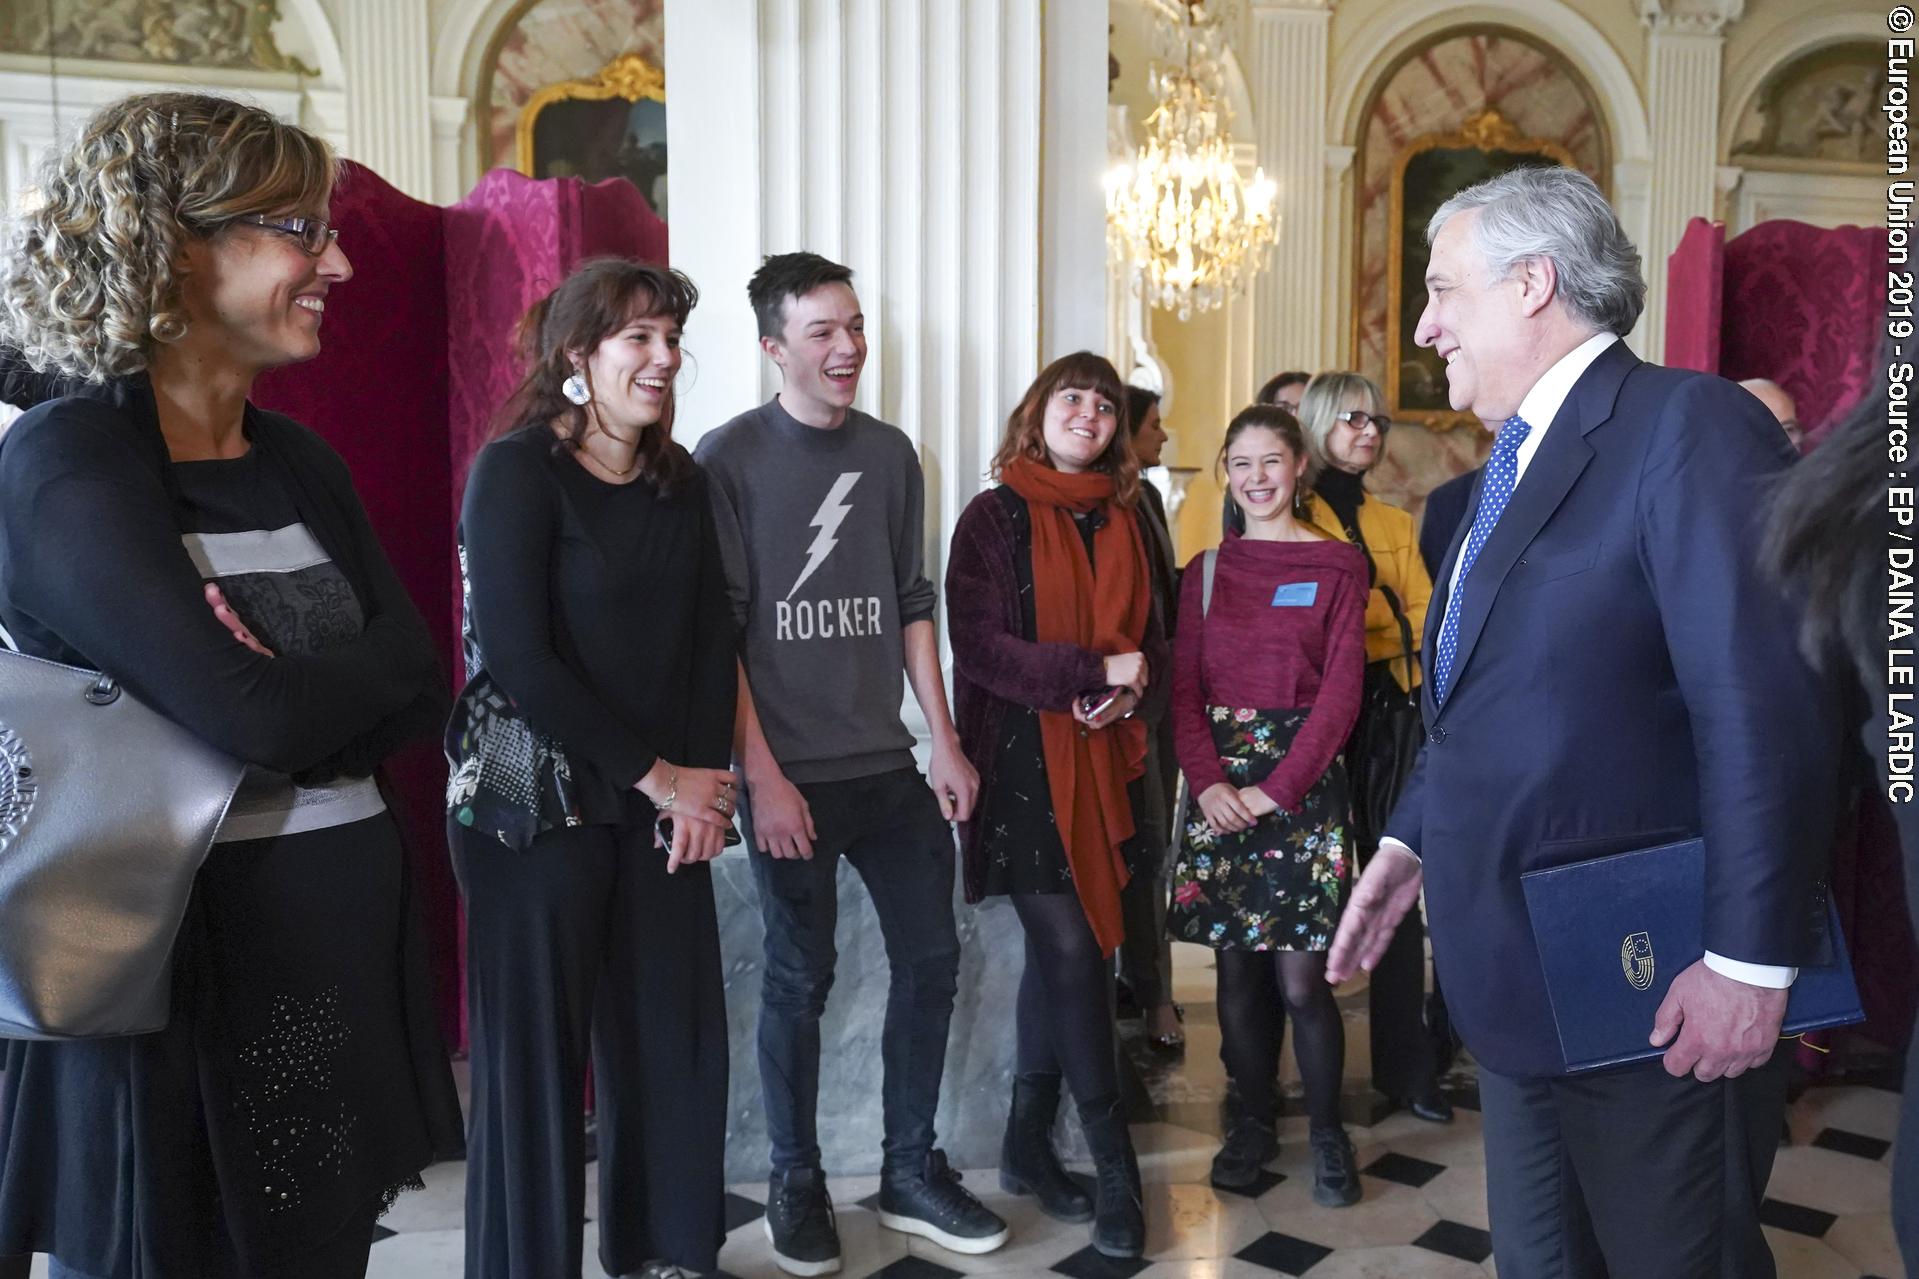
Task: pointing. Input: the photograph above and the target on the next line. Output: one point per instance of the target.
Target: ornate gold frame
(1486, 131)
(628, 76)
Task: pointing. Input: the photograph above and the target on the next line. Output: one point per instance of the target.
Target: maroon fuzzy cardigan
(994, 663)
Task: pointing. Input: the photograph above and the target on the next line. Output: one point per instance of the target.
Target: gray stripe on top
(281, 550)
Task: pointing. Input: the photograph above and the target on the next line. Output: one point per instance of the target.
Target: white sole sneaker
(952, 1243)
(795, 1266)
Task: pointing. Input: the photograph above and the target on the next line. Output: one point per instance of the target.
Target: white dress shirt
(1539, 408)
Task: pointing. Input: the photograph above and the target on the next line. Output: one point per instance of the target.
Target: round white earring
(574, 389)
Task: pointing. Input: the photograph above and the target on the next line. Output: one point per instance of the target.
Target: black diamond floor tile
(1852, 1143)
(381, 1232)
(1800, 1220)
(871, 1203)
(1465, 1098)
(1284, 1253)
(1267, 1180)
(916, 1268)
(1089, 1263)
(741, 1211)
(1403, 1170)
(1455, 1239)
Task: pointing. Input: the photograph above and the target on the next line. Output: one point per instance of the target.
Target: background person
(596, 602)
(1344, 418)
(1266, 688)
(1146, 956)
(1049, 602)
(821, 509)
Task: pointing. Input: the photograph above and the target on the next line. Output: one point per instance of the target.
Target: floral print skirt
(1280, 885)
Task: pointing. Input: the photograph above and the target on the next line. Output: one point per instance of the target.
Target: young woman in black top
(596, 604)
(215, 559)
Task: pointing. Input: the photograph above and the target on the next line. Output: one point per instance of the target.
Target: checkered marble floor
(1423, 1215)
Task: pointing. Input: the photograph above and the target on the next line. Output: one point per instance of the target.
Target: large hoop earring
(575, 390)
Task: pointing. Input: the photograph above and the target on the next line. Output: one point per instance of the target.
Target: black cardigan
(93, 573)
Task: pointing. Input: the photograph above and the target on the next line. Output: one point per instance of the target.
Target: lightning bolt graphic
(827, 520)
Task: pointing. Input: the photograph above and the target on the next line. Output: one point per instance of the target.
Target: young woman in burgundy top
(1266, 683)
(1049, 601)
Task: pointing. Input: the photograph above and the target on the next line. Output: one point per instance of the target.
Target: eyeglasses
(313, 234)
(1358, 418)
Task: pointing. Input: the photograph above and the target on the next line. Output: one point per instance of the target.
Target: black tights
(1251, 1028)
(1065, 1001)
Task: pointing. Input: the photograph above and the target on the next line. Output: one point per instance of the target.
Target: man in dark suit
(1607, 670)
(1445, 508)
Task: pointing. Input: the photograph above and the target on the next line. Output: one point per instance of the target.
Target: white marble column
(901, 137)
(1288, 86)
(389, 113)
(1683, 53)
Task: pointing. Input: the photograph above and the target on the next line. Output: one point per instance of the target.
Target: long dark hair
(1830, 508)
(602, 296)
(1026, 427)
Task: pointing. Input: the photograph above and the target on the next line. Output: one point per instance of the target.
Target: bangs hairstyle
(1274, 418)
(600, 298)
(1323, 401)
(1026, 428)
(88, 286)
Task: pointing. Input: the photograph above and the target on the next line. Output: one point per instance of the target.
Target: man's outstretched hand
(1380, 900)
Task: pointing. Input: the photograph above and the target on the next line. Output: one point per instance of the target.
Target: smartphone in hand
(1094, 705)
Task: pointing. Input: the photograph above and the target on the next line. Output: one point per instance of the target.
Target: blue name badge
(1296, 595)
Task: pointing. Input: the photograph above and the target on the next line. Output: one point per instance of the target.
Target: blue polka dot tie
(1502, 473)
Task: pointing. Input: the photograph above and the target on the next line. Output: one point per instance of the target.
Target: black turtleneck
(1344, 492)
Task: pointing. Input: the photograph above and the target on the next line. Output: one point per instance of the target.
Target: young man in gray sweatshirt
(820, 511)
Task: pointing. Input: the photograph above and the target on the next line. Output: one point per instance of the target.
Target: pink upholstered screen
(418, 357)
(378, 393)
(1804, 306)
(1694, 277)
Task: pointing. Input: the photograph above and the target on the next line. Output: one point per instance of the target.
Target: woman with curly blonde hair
(180, 249)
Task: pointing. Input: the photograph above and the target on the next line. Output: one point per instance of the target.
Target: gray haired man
(1606, 670)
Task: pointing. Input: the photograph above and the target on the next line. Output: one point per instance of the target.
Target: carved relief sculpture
(233, 34)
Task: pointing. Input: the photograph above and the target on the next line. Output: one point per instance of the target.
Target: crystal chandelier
(1181, 212)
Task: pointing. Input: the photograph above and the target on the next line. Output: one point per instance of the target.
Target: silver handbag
(107, 810)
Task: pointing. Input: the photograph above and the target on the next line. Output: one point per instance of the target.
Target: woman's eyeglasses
(312, 234)
(1358, 418)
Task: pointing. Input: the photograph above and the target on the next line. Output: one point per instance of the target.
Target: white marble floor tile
(1394, 1263)
(1387, 1214)
(1799, 1257)
(1872, 1111)
(423, 1254)
(1829, 1181)
(441, 1206)
(1866, 1240)
(1195, 1222)
(1216, 1268)
(1459, 1194)
(1169, 1154)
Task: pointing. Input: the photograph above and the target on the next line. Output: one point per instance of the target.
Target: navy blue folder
(1614, 931)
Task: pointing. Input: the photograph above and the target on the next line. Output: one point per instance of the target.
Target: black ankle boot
(1119, 1220)
(1027, 1162)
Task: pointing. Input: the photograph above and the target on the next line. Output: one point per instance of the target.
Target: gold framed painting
(611, 126)
(1428, 171)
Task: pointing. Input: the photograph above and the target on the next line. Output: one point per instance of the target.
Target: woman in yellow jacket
(1344, 416)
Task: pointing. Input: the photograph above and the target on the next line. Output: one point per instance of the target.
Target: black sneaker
(1250, 1146)
(800, 1222)
(933, 1205)
(1335, 1169)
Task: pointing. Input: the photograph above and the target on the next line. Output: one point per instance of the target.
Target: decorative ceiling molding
(1690, 17)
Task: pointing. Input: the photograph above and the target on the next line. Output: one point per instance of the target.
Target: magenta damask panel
(505, 248)
(1695, 281)
(1804, 306)
(377, 393)
(1435, 91)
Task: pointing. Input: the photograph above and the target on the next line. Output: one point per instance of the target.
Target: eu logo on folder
(1614, 931)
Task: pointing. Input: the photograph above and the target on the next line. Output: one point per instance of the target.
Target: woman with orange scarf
(1048, 602)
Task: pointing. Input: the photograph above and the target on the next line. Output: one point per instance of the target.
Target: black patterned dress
(290, 1096)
